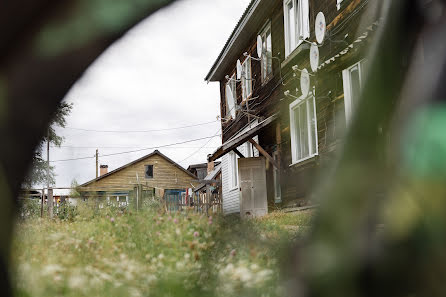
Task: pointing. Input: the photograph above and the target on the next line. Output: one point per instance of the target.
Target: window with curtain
(353, 79)
(267, 57)
(297, 23)
(231, 101)
(246, 79)
(303, 128)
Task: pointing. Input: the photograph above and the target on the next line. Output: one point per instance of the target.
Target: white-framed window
(352, 80)
(297, 23)
(246, 79)
(338, 4)
(303, 128)
(233, 170)
(231, 101)
(267, 57)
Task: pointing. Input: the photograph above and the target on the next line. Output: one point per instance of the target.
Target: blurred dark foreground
(381, 226)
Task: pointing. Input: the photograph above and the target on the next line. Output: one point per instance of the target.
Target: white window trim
(338, 4)
(293, 131)
(231, 111)
(346, 79)
(301, 15)
(245, 79)
(266, 76)
(233, 186)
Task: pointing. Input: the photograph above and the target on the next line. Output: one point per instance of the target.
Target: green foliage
(29, 208)
(38, 174)
(111, 252)
(66, 212)
(73, 192)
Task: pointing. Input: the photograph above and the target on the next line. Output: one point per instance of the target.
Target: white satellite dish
(231, 102)
(239, 70)
(314, 57)
(304, 82)
(320, 27)
(259, 46)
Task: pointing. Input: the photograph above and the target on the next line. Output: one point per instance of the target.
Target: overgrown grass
(150, 253)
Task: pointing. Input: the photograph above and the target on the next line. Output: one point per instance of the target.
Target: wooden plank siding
(165, 176)
(345, 25)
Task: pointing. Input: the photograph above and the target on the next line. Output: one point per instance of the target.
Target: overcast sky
(153, 78)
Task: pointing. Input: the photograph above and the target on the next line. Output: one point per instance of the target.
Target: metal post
(50, 191)
(50, 202)
(41, 203)
(97, 163)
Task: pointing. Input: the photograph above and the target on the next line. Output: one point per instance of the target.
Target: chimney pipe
(103, 170)
(210, 165)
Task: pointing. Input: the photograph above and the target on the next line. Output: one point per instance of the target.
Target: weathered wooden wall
(353, 18)
(165, 176)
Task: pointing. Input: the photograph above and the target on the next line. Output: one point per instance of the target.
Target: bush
(29, 208)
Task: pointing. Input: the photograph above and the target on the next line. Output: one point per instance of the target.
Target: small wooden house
(153, 173)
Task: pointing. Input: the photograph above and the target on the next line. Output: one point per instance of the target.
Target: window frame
(269, 55)
(294, 145)
(246, 81)
(346, 81)
(301, 24)
(233, 167)
(145, 171)
(231, 111)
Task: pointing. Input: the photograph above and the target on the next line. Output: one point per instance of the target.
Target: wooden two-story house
(278, 130)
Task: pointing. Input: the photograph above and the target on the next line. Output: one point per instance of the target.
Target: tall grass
(113, 252)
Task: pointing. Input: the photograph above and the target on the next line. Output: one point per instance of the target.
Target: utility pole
(50, 191)
(97, 163)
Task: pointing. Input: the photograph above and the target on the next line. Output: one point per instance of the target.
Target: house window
(148, 171)
(338, 4)
(233, 170)
(353, 79)
(297, 23)
(267, 57)
(246, 79)
(231, 101)
(303, 129)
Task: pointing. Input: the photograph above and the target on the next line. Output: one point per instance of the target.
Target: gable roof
(249, 25)
(156, 152)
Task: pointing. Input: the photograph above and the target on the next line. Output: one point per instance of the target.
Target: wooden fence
(199, 202)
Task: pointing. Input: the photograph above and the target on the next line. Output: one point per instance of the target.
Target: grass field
(111, 253)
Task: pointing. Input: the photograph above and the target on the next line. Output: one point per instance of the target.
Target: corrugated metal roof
(231, 37)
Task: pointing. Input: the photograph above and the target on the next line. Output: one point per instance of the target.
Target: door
(252, 181)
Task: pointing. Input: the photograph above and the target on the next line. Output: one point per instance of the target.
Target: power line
(200, 147)
(119, 147)
(141, 131)
(134, 151)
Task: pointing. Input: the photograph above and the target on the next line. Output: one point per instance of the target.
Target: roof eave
(233, 37)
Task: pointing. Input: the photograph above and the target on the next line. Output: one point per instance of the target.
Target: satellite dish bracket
(295, 69)
(251, 57)
(287, 93)
(309, 42)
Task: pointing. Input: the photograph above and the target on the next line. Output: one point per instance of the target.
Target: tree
(73, 192)
(38, 173)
